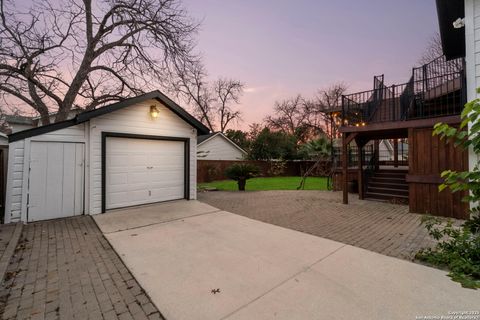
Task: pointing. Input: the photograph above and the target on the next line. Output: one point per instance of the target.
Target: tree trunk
(241, 184)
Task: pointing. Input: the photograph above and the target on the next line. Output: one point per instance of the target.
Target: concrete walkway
(381, 227)
(218, 265)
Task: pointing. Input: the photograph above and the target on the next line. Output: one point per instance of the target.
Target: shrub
(277, 168)
(241, 173)
(458, 248)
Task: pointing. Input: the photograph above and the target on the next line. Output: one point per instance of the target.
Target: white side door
(56, 180)
(140, 171)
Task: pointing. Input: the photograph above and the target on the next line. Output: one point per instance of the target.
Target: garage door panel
(167, 159)
(118, 178)
(137, 177)
(130, 198)
(143, 185)
(143, 171)
(165, 194)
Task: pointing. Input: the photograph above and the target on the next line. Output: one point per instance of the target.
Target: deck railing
(434, 90)
(382, 157)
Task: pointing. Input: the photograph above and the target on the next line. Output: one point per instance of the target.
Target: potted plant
(241, 172)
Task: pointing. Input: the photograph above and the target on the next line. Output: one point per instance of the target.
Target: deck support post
(360, 171)
(345, 168)
(376, 154)
(395, 153)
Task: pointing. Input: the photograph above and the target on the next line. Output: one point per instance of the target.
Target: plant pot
(353, 186)
(241, 184)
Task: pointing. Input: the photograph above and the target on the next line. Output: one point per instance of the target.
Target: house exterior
(3, 139)
(436, 92)
(18, 123)
(462, 40)
(138, 151)
(216, 146)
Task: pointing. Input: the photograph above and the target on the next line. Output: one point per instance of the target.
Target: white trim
(58, 139)
(470, 49)
(226, 138)
(8, 192)
(26, 175)
(86, 181)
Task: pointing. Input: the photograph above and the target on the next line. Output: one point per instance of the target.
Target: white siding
(472, 57)
(13, 205)
(472, 41)
(136, 119)
(18, 160)
(219, 148)
(69, 134)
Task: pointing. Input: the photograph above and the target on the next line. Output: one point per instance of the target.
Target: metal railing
(370, 155)
(434, 90)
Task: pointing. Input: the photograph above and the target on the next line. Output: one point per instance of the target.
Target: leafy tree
(239, 137)
(458, 248)
(315, 149)
(270, 145)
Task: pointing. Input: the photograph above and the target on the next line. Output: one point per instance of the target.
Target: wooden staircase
(388, 185)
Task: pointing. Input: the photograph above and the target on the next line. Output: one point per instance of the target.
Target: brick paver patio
(377, 226)
(65, 269)
(6, 232)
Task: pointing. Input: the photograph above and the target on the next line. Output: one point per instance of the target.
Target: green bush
(458, 247)
(241, 172)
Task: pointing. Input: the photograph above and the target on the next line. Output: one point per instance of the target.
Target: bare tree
(227, 92)
(328, 105)
(295, 116)
(213, 102)
(288, 116)
(434, 51)
(60, 54)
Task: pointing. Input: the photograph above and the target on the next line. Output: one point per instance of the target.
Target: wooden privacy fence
(210, 170)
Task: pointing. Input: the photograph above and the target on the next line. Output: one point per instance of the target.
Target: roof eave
(453, 39)
(86, 116)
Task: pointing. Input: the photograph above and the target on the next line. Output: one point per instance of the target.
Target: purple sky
(280, 48)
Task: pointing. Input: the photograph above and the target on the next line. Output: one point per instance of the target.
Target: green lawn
(273, 183)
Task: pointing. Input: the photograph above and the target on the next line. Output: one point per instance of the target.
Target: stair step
(402, 186)
(384, 196)
(393, 170)
(389, 175)
(388, 180)
(393, 192)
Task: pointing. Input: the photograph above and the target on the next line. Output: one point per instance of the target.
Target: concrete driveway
(197, 262)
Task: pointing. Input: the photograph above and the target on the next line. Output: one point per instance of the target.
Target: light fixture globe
(154, 112)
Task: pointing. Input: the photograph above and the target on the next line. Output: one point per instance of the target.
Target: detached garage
(138, 151)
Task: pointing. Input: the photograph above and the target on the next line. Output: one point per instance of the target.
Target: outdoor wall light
(154, 112)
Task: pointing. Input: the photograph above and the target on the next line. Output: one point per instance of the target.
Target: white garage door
(140, 171)
(56, 180)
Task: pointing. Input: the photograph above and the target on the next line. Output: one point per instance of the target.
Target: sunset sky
(281, 48)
